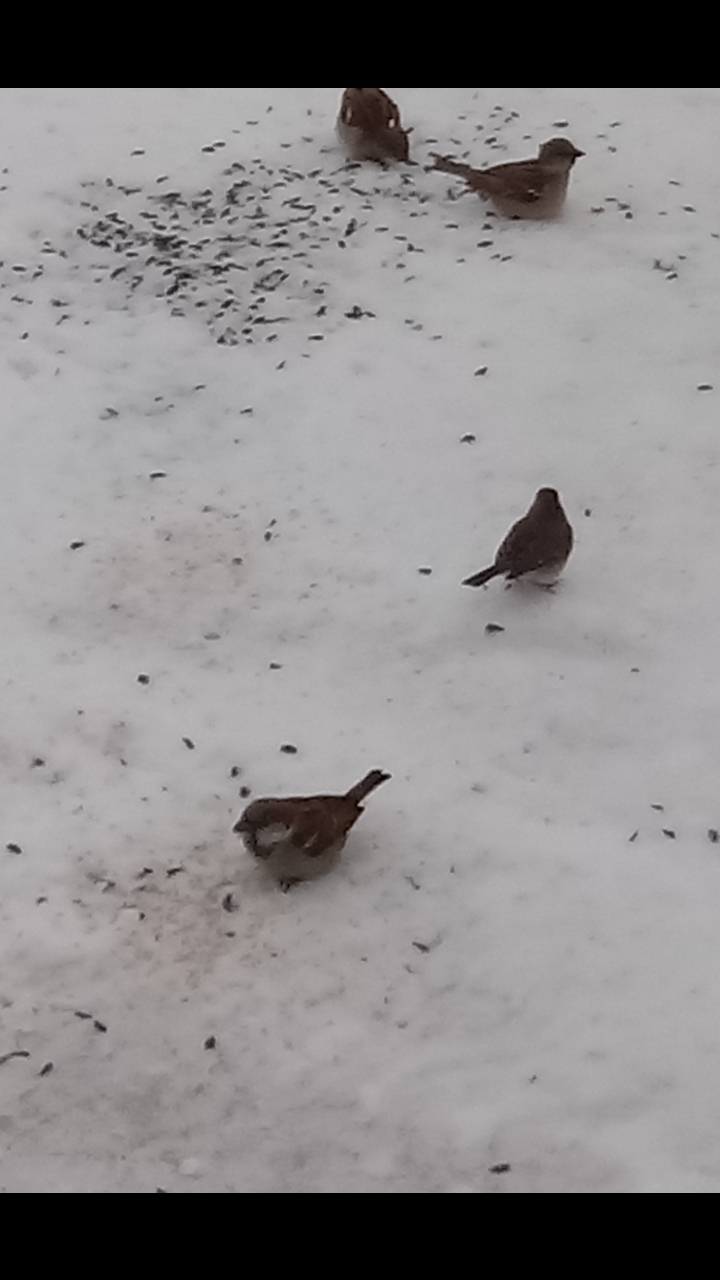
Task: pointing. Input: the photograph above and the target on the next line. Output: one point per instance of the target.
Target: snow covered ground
(221, 477)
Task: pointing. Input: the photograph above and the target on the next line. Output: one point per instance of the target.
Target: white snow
(497, 974)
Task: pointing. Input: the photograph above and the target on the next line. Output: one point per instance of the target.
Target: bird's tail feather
(362, 789)
(448, 165)
(479, 579)
(485, 184)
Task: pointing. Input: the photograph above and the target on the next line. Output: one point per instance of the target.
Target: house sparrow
(536, 548)
(369, 126)
(301, 837)
(525, 188)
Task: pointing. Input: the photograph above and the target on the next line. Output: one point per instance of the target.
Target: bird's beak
(579, 153)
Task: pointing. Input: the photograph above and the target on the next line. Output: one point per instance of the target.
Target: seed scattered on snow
(633, 837)
(75, 546)
(713, 836)
(228, 904)
(13, 848)
(189, 744)
(500, 1168)
(143, 679)
(99, 1026)
(493, 628)
(705, 386)
(46, 1070)
(245, 792)
(288, 749)
(670, 834)
(210, 1043)
(468, 439)
(16, 1053)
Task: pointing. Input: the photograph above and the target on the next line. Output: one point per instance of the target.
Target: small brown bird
(536, 548)
(369, 126)
(524, 188)
(301, 837)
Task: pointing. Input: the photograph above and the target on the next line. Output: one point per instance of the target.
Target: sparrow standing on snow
(536, 548)
(369, 126)
(301, 837)
(524, 188)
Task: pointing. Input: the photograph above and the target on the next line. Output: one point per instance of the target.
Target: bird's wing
(391, 110)
(524, 549)
(525, 182)
(320, 821)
